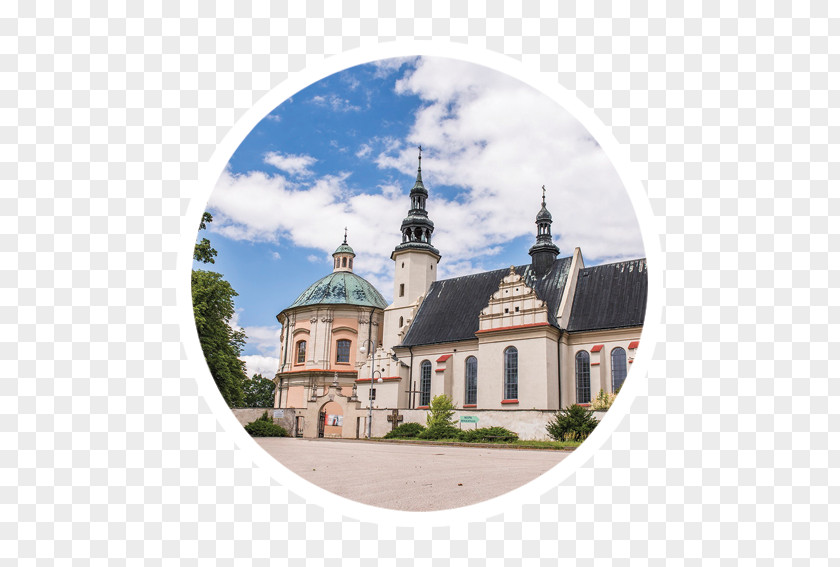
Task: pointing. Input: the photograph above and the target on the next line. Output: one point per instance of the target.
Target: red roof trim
(510, 401)
(383, 378)
(513, 327)
(634, 344)
(597, 348)
(444, 358)
(328, 370)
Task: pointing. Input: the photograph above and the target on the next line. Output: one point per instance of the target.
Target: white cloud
(294, 164)
(257, 364)
(364, 151)
(385, 67)
(492, 137)
(500, 140)
(336, 103)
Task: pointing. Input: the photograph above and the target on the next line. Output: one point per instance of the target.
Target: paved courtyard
(410, 477)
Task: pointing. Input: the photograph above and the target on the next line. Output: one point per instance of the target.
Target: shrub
(264, 426)
(405, 431)
(440, 431)
(603, 400)
(574, 423)
(441, 411)
(491, 434)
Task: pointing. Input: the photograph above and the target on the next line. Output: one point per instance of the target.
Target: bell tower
(544, 251)
(415, 261)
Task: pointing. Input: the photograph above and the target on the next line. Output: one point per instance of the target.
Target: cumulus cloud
(500, 140)
(258, 364)
(290, 163)
(494, 139)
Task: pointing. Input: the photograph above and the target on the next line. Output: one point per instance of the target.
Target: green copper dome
(344, 249)
(341, 288)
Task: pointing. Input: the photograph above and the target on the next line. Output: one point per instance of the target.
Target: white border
(545, 83)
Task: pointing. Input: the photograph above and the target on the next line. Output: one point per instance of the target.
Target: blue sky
(343, 152)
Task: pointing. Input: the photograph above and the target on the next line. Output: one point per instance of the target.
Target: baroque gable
(513, 304)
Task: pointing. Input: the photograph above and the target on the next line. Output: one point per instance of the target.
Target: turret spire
(343, 256)
(544, 251)
(417, 228)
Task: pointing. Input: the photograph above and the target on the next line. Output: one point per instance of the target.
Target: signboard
(469, 419)
(278, 413)
(334, 420)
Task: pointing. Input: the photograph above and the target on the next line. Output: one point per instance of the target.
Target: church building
(510, 346)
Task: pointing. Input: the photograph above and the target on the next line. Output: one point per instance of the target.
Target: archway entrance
(331, 420)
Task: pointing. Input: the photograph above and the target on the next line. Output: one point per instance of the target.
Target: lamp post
(372, 347)
(373, 373)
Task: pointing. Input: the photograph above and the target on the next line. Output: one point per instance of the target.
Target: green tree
(258, 392)
(441, 411)
(213, 309)
(574, 423)
(203, 252)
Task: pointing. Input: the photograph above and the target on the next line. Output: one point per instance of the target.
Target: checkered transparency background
(108, 113)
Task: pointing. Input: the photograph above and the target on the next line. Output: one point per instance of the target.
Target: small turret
(343, 256)
(544, 252)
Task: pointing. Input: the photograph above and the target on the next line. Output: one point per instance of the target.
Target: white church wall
(600, 361)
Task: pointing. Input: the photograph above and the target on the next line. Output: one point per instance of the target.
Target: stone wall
(528, 424)
(247, 415)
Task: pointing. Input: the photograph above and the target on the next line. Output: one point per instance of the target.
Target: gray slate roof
(610, 296)
(341, 288)
(451, 308)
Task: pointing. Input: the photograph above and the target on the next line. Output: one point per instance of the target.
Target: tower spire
(417, 228)
(544, 251)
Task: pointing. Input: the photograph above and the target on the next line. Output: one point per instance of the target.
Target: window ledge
(422, 407)
(469, 405)
(510, 401)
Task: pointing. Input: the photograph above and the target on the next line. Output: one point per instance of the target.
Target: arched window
(344, 262)
(471, 380)
(582, 377)
(401, 322)
(425, 382)
(342, 350)
(619, 367)
(351, 263)
(301, 352)
(511, 374)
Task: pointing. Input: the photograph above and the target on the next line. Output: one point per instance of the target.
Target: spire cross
(543, 189)
(345, 235)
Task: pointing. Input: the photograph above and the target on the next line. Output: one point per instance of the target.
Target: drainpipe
(410, 375)
(559, 374)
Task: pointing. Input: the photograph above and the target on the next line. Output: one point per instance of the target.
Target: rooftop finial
(419, 156)
(543, 188)
(345, 235)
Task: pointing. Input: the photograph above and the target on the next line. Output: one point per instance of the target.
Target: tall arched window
(401, 323)
(342, 350)
(301, 352)
(425, 382)
(582, 377)
(619, 367)
(471, 380)
(511, 374)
